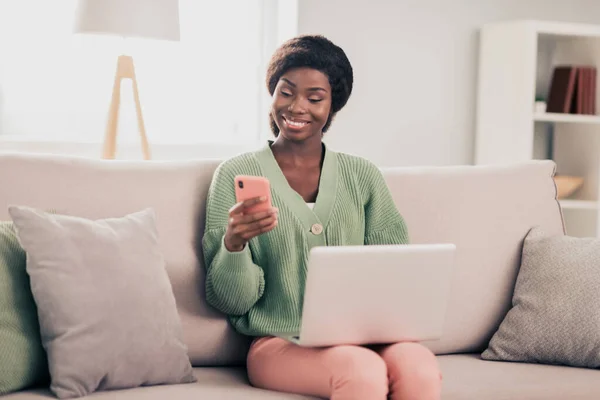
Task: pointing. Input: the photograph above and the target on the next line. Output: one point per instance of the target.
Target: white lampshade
(153, 19)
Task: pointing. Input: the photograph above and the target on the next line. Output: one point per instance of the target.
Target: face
(301, 103)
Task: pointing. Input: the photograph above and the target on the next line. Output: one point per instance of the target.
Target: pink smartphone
(248, 187)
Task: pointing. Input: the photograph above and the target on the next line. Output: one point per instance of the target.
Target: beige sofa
(485, 211)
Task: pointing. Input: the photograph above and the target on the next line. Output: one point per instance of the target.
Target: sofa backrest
(485, 211)
(99, 189)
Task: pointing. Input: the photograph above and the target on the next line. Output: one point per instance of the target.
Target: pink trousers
(401, 371)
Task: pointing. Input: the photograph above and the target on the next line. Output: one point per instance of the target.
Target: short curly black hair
(317, 52)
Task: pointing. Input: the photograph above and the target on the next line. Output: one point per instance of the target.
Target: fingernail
(263, 198)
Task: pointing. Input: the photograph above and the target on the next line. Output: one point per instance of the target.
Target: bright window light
(207, 88)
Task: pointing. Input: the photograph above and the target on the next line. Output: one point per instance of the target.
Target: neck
(306, 151)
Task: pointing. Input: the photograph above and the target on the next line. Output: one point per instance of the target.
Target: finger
(269, 228)
(257, 216)
(260, 231)
(239, 208)
(265, 228)
(244, 228)
(253, 201)
(240, 219)
(262, 223)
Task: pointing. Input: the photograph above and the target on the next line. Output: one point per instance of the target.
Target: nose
(297, 106)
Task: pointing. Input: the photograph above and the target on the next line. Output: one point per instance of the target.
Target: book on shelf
(572, 90)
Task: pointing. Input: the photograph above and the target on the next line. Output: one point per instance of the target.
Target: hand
(243, 226)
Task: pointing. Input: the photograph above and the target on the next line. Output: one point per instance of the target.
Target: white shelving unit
(516, 60)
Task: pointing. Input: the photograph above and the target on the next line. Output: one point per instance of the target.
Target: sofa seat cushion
(227, 383)
(466, 377)
(470, 377)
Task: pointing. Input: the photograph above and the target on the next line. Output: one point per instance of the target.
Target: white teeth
(296, 124)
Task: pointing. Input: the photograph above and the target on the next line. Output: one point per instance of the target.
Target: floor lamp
(153, 19)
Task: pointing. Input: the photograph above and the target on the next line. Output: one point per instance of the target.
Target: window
(207, 88)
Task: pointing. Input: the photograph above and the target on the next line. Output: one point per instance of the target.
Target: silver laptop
(375, 294)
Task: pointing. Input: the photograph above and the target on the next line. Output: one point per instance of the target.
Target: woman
(256, 263)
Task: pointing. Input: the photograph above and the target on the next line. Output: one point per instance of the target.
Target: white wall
(415, 69)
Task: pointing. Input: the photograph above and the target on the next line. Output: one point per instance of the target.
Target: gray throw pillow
(106, 307)
(555, 315)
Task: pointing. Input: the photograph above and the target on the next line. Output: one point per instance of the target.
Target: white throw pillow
(107, 312)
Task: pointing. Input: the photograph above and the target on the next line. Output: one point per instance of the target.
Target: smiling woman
(302, 102)
(256, 261)
(329, 78)
(55, 86)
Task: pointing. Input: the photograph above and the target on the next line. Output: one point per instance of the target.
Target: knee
(360, 370)
(411, 361)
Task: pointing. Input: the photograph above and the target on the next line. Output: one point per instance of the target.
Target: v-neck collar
(327, 187)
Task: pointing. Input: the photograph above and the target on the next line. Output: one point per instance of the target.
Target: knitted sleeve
(383, 223)
(234, 283)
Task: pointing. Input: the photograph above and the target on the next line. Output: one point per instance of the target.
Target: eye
(285, 93)
(315, 100)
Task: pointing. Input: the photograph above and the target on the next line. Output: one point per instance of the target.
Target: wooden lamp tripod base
(125, 70)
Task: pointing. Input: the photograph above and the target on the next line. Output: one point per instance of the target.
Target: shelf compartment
(567, 118)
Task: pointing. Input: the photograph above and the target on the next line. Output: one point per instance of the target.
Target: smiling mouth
(296, 124)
